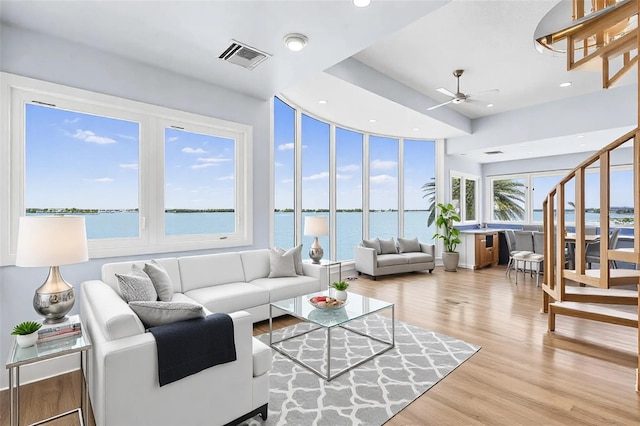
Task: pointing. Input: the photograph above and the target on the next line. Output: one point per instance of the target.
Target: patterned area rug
(371, 393)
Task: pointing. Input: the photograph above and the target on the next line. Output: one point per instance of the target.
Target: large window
(509, 196)
(75, 152)
(464, 196)
(383, 187)
(355, 179)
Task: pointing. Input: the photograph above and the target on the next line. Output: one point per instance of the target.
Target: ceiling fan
(458, 97)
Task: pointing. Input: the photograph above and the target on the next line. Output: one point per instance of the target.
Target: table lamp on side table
(52, 241)
(316, 226)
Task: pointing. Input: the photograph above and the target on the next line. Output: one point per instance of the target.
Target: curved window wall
(367, 185)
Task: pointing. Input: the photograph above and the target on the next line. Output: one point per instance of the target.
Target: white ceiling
(417, 43)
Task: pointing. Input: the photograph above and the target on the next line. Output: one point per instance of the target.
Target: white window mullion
(297, 185)
(401, 187)
(365, 187)
(333, 177)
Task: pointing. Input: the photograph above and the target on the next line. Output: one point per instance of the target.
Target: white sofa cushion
(230, 297)
(255, 264)
(287, 287)
(297, 257)
(136, 285)
(210, 270)
(261, 358)
(372, 244)
(170, 264)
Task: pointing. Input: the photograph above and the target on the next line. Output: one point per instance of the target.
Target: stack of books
(70, 327)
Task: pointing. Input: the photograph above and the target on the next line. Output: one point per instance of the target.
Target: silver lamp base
(55, 298)
(316, 252)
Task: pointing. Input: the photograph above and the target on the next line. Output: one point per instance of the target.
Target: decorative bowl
(336, 304)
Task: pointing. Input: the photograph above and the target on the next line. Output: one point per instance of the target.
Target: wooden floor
(583, 374)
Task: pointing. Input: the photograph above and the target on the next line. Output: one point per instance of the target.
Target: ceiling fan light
(295, 42)
(361, 3)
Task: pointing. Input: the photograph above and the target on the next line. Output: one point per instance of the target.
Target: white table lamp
(52, 241)
(316, 226)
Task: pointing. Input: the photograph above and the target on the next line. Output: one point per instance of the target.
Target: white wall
(34, 55)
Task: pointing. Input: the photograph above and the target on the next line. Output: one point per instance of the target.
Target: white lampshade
(51, 241)
(316, 226)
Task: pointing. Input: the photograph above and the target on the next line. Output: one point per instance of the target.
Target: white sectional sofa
(122, 374)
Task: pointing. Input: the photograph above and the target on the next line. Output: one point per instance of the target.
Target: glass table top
(356, 306)
(45, 350)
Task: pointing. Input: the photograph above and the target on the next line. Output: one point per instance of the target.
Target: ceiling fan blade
(438, 106)
(446, 92)
(483, 92)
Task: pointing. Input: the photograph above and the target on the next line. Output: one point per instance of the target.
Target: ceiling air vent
(493, 152)
(246, 56)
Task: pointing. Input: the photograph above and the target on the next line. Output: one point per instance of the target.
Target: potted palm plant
(449, 234)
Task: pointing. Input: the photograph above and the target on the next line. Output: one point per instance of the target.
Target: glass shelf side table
(42, 351)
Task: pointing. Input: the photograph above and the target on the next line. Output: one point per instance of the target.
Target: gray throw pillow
(297, 257)
(372, 244)
(136, 286)
(407, 245)
(159, 313)
(160, 279)
(388, 246)
(281, 265)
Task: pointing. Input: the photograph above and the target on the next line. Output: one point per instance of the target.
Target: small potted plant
(449, 234)
(341, 290)
(26, 333)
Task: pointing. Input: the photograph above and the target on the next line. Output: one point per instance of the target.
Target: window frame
(464, 177)
(16, 90)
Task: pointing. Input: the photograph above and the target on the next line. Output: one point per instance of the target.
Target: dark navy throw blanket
(187, 347)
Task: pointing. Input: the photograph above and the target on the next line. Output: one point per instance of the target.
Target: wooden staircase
(606, 37)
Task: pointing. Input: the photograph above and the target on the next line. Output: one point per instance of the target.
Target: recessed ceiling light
(580, 136)
(295, 42)
(415, 129)
(582, 144)
(530, 152)
(322, 101)
(489, 105)
(361, 3)
(565, 84)
(373, 120)
(522, 144)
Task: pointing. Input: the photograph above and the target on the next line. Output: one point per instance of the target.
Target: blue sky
(419, 166)
(87, 161)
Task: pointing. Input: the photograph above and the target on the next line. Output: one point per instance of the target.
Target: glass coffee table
(331, 342)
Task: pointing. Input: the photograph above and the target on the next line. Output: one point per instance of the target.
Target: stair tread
(602, 310)
(596, 291)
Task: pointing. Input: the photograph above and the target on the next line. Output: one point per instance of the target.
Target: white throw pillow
(281, 265)
(136, 286)
(153, 314)
(388, 246)
(297, 257)
(407, 245)
(160, 279)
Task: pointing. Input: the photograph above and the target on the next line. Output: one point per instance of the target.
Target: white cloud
(287, 180)
(349, 168)
(213, 159)
(132, 166)
(285, 146)
(383, 164)
(104, 179)
(230, 177)
(189, 150)
(317, 176)
(127, 137)
(202, 166)
(379, 179)
(68, 121)
(343, 177)
(172, 139)
(89, 136)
